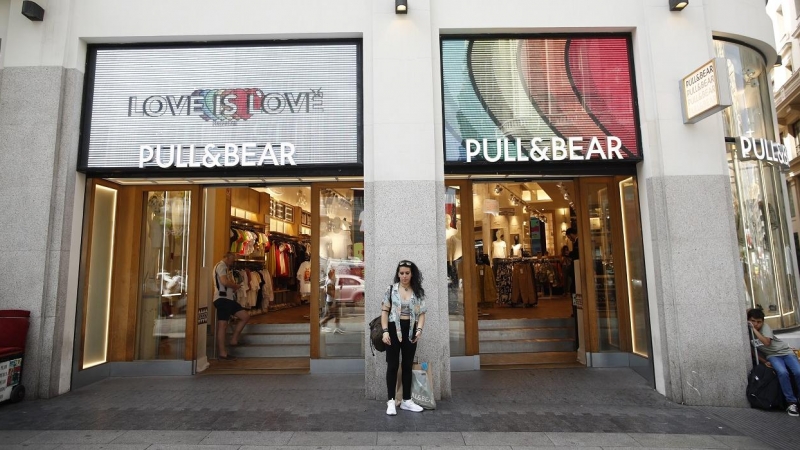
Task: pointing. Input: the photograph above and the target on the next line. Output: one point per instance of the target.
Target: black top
(575, 254)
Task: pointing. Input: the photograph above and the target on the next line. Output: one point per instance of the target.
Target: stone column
(694, 277)
(404, 196)
(39, 123)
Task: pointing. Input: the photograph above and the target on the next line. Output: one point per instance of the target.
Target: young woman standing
(402, 320)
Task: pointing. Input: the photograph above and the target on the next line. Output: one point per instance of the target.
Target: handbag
(376, 331)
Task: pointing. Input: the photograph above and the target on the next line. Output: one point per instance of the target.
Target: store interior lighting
(401, 6)
(678, 5)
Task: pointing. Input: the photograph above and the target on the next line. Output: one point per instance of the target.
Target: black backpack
(764, 389)
(376, 332)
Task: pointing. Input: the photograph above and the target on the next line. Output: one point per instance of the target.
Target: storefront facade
(390, 158)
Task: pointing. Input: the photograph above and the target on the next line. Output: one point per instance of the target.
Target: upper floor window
(780, 23)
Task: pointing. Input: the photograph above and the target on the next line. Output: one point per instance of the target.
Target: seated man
(777, 355)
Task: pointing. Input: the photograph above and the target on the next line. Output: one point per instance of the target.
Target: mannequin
(516, 249)
(325, 240)
(453, 239)
(499, 249)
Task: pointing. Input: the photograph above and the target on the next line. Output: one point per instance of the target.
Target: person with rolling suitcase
(776, 355)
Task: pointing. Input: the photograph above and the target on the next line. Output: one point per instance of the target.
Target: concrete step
(346, 338)
(505, 361)
(525, 323)
(271, 351)
(347, 350)
(527, 346)
(526, 333)
(276, 328)
(275, 338)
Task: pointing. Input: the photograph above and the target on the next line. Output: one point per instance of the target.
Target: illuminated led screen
(544, 89)
(208, 107)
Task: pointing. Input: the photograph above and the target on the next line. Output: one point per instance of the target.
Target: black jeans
(393, 359)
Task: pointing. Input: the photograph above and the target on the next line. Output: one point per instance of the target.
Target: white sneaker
(390, 409)
(326, 330)
(409, 405)
(338, 331)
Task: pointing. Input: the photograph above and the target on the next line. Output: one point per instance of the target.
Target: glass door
(164, 275)
(338, 271)
(599, 264)
(613, 274)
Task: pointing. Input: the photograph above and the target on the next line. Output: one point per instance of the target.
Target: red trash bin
(13, 334)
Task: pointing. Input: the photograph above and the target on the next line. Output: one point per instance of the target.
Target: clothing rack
(249, 263)
(247, 226)
(283, 236)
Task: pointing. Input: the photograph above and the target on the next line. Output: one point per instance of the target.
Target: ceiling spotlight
(401, 6)
(678, 5)
(498, 189)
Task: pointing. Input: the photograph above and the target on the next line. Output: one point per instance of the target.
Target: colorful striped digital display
(538, 88)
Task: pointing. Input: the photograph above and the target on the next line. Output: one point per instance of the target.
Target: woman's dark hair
(416, 277)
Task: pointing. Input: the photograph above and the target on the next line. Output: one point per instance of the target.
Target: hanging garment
(268, 295)
(504, 272)
(487, 290)
(282, 260)
(522, 287)
(252, 293)
(304, 277)
(241, 294)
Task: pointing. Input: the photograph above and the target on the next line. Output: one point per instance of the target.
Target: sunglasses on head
(405, 263)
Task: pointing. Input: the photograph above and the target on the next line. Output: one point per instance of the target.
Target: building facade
(143, 140)
(784, 15)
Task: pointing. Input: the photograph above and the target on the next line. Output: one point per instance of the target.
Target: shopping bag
(421, 387)
(398, 391)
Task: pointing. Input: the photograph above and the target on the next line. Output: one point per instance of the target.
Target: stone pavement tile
(676, 440)
(16, 436)
(263, 438)
(280, 447)
(420, 438)
(476, 447)
(742, 443)
(192, 447)
(375, 447)
(28, 447)
(239, 422)
(592, 439)
(75, 437)
(331, 438)
(527, 439)
(161, 437)
(517, 447)
(103, 447)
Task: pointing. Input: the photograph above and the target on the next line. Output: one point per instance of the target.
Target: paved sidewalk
(530, 408)
(263, 440)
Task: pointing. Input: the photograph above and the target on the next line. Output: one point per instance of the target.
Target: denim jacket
(417, 309)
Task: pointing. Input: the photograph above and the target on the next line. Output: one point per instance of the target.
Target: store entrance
(302, 274)
(524, 276)
(269, 231)
(147, 277)
(549, 272)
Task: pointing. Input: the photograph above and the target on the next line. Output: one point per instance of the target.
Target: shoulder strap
(390, 297)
